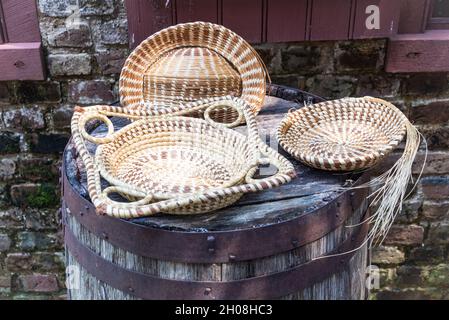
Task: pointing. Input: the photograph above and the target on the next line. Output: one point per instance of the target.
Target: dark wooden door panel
(244, 18)
(146, 17)
(413, 16)
(277, 20)
(3, 36)
(389, 11)
(286, 20)
(20, 20)
(330, 19)
(197, 10)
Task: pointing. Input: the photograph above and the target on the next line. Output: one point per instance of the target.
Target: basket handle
(145, 198)
(243, 110)
(273, 159)
(223, 103)
(89, 114)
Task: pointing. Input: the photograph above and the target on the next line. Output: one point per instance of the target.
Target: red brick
(5, 284)
(405, 235)
(20, 192)
(433, 211)
(5, 242)
(38, 283)
(409, 276)
(427, 83)
(62, 116)
(407, 294)
(18, 261)
(37, 92)
(90, 92)
(435, 188)
(436, 163)
(387, 255)
(111, 62)
(359, 55)
(74, 37)
(438, 233)
(430, 113)
(27, 118)
(437, 137)
(427, 254)
(378, 86)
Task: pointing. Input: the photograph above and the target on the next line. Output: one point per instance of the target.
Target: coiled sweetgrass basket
(192, 61)
(355, 134)
(342, 135)
(174, 164)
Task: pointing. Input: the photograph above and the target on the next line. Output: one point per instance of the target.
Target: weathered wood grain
(286, 20)
(330, 20)
(413, 16)
(21, 20)
(389, 12)
(244, 18)
(21, 61)
(425, 52)
(196, 10)
(348, 284)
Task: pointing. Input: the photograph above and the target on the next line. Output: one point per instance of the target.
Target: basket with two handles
(174, 164)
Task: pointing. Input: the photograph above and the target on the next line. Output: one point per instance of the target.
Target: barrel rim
(213, 246)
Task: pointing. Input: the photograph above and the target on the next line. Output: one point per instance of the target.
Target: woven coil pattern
(175, 164)
(191, 74)
(342, 135)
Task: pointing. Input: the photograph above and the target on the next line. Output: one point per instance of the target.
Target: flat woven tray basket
(192, 61)
(189, 74)
(175, 164)
(342, 135)
(354, 134)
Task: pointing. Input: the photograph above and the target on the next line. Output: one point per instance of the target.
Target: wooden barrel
(269, 245)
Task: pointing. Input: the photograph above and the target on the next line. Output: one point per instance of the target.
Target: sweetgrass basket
(355, 134)
(174, 164)
(189, 74)
(342, 135)
(193, 61)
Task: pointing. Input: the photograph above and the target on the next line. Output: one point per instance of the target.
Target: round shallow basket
(171, 157)
(191, 61)
(175, 164)
(341, 135)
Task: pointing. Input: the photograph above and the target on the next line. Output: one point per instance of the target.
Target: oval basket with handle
(175, 164)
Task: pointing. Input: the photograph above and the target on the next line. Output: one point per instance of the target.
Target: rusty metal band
(271, 286)
(292, 94)
(214, 246)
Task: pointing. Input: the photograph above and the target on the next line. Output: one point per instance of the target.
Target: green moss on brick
(9, 143)
(44, 197)
(438, 276)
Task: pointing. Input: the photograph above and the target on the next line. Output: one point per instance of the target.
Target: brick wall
(414, 257)
(83, 68)
(84, 62)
